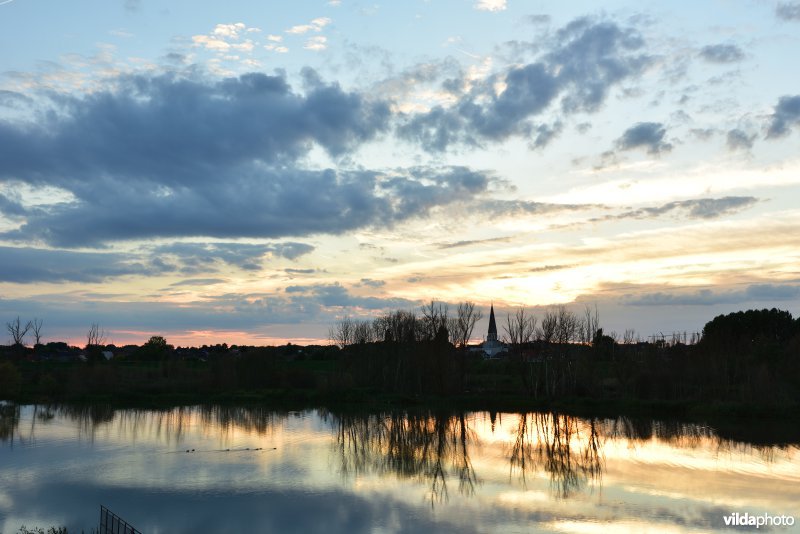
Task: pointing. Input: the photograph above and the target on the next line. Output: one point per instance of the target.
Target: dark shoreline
(755, 423)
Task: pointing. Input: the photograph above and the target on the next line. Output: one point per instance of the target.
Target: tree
(463, 324)
(95, 337)
(547, 331)
(343, 332)
(155, 349)
(17, 331)
(567, 325)
(520, 328)
(36, 326)
(434, 317)
(590, 324)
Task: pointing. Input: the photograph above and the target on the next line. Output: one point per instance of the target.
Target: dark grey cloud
(786, 115)
(176, 157)
(739, 140)
(696, 208)
(789, 11)
(371, 283)
(648, 135)
(336, 295)
(583, 62)
(497, 208)
(538, 19)
(27, 265)
(167, 129)
(470, 242)
(12, 99)
(424, 188)
(703, 133)
(722, 53)
(544, 134)
(299, 271)
(705, 297)
(11, 206)
(203, 257)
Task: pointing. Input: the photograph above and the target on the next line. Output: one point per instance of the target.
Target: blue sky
(252, 171)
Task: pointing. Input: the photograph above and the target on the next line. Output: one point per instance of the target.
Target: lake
(258, 470)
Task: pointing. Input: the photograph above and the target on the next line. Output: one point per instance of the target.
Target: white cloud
(335, 3)
(315, 25)
(276, 48)
(210, 43)
(275, 38)
(229, 30)
(317, 43)
(491, 5)
(224, 36)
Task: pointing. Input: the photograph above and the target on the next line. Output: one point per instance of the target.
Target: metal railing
(111, 523)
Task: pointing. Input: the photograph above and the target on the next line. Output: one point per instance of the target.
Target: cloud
(316, 43)
(491, 5)
(198, 282)
(649, 135)
(299, 271)
(173, 157)
(371, 283)
(166, 156)
(739, 140)
(133, 5)
(470, 242)
(786, 115)
(508, 208)
(583, 62)
(23, 265)
(202, 257)
(788, 11)
(13, 99)
(336, 295)
(721, 53)
(696, 208)
(315, 25)
(706, 297)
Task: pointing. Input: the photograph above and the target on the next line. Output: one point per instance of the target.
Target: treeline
(743, 357)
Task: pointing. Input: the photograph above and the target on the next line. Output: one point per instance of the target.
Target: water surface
(257, 470)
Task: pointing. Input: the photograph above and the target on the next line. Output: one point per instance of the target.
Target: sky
(253, 171)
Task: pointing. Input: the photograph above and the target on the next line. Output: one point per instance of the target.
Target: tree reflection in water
(567, 448)
(428, 446)
(9, 421)
(432, 447)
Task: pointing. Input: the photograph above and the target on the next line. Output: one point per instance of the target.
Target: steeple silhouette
(492, 334)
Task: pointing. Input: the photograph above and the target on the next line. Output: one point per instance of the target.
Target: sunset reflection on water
(235, 468)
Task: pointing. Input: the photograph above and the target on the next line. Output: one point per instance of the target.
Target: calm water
(254, 470)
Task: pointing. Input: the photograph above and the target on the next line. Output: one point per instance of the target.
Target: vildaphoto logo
(764, 520)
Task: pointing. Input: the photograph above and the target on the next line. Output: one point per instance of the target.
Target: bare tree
(17, 331)
(520, 328)
(434, 317)
(547, 331)
(36, 326)
(589, 325)
(363, 332)
(400, 325)
(343, 332)
(96, 336)
(463, 324)
(629, 337)
(567, 325)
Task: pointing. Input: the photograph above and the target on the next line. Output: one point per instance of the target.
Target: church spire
(492, 334)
